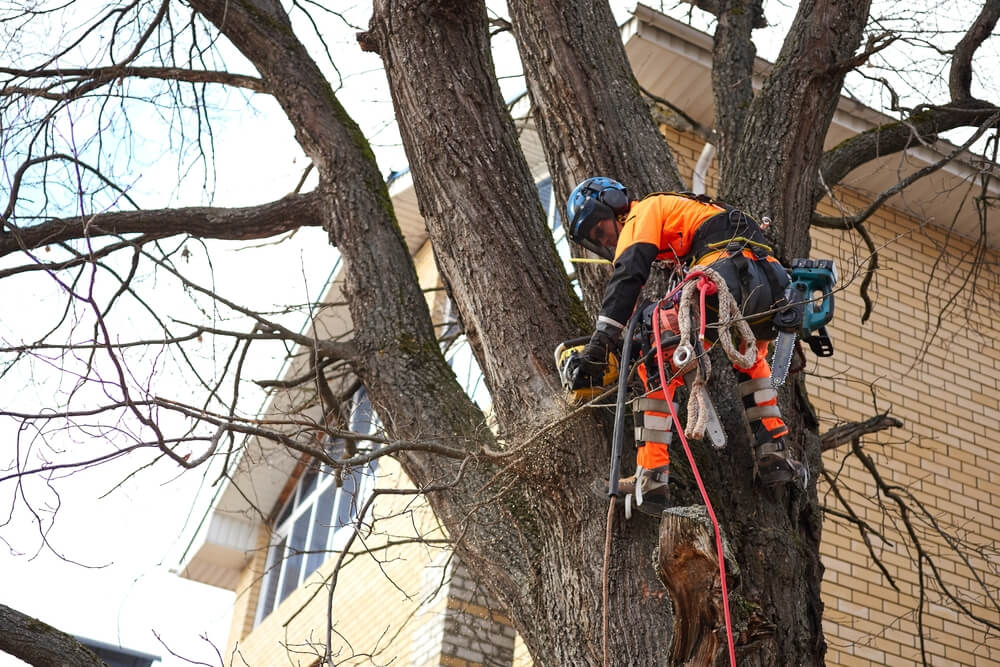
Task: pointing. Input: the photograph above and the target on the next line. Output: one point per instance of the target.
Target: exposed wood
(688, 566)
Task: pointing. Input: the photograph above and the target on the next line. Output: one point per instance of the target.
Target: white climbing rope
(729, 316)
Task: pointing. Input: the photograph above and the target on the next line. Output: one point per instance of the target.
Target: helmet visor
(599, 250)
(590, 213)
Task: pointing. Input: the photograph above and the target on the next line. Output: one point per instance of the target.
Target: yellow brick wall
(376, 598)
(248, 589)
(942, 381)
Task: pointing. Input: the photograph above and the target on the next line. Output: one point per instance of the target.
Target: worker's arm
(630, 273)
(638, 245)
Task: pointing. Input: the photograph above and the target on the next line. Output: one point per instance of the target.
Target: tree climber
(692, 230)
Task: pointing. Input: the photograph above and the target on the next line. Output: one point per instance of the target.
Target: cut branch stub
(688, 566)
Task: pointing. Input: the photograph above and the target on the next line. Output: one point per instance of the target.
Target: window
(552, 216)
(317, 518)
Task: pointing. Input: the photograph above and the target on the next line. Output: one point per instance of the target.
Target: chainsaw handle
(572, 342)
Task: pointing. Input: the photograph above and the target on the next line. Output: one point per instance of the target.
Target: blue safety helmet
(595, 199)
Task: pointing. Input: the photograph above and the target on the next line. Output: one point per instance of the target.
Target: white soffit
(673, 60)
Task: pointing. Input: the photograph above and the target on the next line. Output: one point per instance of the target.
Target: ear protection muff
(615, 199)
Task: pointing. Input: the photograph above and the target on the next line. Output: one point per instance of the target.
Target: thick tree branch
(960, 76)
(40, 644)
(922, 126)
(852, 221)
(845, 433)
(251, 222)
(74, 83)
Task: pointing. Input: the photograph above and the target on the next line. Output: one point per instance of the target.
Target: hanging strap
(760, 388)
(759, 412)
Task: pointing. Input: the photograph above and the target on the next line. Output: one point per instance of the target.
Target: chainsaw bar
(713, 427)
(784, 348)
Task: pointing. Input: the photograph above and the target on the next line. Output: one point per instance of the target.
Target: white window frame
(302, 503)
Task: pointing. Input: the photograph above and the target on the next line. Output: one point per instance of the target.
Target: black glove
(595, 357)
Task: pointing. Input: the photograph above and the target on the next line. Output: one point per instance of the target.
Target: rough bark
(40, 644)
(773, 171)
(587, 108)
(492, 245)
(522, 303)
(732, 85)
(252, 222)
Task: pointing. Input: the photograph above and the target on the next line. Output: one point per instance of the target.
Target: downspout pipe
(701, 168)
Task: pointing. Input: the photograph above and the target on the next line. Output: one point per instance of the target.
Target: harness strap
(658, 422)
(759, 412)
(760, 388)
(643, 434)
(647, 404)
(731, 226)
(754, 385)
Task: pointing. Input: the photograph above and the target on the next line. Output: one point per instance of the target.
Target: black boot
(775, 465)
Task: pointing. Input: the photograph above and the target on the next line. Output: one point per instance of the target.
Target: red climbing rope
(703, 289)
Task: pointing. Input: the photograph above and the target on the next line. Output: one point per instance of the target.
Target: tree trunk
(773, 172)
(586, 105)
(774, 534)
(542, 560)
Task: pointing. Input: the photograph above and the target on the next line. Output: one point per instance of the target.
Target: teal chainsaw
(807, 309)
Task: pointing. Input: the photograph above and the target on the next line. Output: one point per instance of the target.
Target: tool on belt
(808, 309)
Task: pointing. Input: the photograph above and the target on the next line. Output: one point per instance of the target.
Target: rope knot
(730, 316)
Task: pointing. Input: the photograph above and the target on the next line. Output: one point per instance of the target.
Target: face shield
(591, 212)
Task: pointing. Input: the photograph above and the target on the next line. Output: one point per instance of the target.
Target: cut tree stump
(688, 566)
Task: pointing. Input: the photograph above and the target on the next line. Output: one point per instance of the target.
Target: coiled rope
(710, 282)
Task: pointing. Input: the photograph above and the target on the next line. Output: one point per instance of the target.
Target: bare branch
(877, 202)
(874, 44)
(923, 125)
(845, 433)
(252, 222)
(960, 76)
(70, 84)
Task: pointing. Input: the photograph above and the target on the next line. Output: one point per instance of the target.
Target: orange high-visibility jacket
(661, 226)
